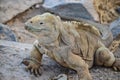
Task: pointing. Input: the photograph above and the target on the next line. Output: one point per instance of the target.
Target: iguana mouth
(32, 29)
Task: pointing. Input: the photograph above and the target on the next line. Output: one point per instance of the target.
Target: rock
(52, 3)
(10, 63)
(9, 9)
(91, 9)
(6, 33)
(37, 6)
(71, 11)
(88, 5)
(115, 26)
(60, 77)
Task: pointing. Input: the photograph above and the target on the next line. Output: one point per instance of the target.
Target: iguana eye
(41, 23)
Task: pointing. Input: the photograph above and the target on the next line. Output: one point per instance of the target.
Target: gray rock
(115, 26)
(60, 77)
(6, 33)
(52, 3)
(71, 11)
(88, 4)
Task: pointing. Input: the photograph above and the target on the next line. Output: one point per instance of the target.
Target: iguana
(76, 45)
(108, 10)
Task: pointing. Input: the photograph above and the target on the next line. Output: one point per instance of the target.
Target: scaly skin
(71, 44)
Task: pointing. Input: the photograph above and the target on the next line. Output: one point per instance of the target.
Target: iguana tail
(116, 42)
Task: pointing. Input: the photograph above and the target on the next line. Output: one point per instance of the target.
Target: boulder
(71, 11)
(6, 33)
(10, 8)
(115, 26)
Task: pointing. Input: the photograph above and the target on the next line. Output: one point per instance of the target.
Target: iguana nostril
(31, 22)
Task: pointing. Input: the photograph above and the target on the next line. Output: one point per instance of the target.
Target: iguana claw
(32, 66)
(116, 65)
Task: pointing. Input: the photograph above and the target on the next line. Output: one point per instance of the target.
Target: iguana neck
(46, 40)
(67, 34)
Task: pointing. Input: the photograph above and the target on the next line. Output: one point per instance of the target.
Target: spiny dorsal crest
(85, 26)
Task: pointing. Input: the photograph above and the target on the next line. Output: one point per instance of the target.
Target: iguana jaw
(30, 28)
(37, 31)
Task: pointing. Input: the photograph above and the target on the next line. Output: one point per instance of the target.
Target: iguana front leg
(33, 63)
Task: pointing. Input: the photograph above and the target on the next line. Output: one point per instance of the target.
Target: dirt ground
(17, 25)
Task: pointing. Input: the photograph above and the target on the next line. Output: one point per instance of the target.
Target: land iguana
(76, 45)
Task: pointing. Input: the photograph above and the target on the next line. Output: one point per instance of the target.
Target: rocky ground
(11, 56)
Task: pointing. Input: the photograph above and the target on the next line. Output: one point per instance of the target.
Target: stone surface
(10, 8)
(88, 4)
(6, 33)
(52, 3)
(115, 26)
(60, 77)
(71, 11)
(12, 54)
(90, 7)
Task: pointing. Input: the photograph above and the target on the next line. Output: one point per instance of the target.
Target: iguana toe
(116, 65)
(32, 66)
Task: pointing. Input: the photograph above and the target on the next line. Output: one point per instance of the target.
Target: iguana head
(43, 25)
